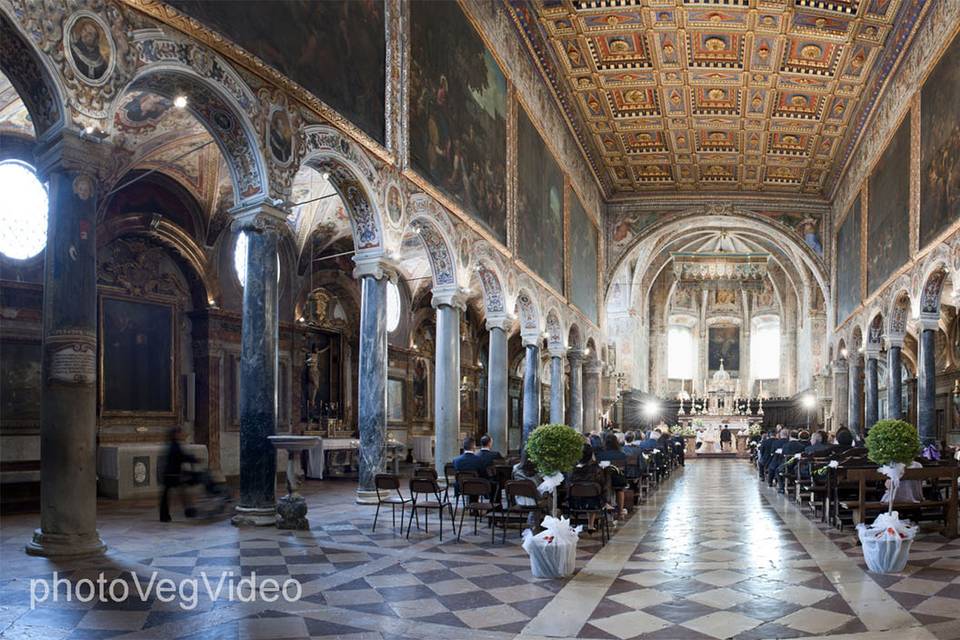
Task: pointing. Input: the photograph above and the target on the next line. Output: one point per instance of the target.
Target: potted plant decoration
(892, 444)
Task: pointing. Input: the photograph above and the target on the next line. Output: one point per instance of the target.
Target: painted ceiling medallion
(734, 94)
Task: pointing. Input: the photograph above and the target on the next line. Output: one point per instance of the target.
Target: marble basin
(292, 508)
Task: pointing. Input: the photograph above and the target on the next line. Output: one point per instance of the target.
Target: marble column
(927, 382)
(497, 393)
(871, 391)
(531, 385)
(575, 358)
(557, 410)
(372, 379)
(68, 422)
(446, 398)
(855, 394)
(841, 386)
(259, 344)
(591, 395)
(894, 377)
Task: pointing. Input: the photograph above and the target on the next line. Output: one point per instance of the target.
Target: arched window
(23, 216)
(765, 348)
(240, 259)
(681, 352)
(393, 306)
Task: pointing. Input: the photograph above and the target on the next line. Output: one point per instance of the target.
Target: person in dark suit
(819, 445)
(470, 460)
(797, 443)
(726, 438)
(651, 442)
(769, 456)
(173, 475)
(487, 453)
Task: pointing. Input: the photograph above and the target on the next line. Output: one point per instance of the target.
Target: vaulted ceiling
(715, 95)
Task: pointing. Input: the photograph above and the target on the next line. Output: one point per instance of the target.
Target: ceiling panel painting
(697, 95)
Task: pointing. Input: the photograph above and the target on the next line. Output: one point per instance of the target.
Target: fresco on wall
(808, 227)
(335, 50)
(458, 106)
(539, 205)
(723, 345)
(940, 146)
(888, 212)
(20, 383)
(136, 347)
(848, 263)
(583, 259)
(623, 228)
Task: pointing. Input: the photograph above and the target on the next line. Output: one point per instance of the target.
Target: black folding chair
(428, 487)
(475, 493)
(527, 490)
(388, 493)
(592, 491)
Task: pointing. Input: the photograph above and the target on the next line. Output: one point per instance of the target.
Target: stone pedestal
(927, 383)
(292, 508)
(497, 384)
(449, 304)
(68, 424)
(894, 379)
(372, 380)
(575, 358)
(258, 365)
(556, 388)
(531, 387)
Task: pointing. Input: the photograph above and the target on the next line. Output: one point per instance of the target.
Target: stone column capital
(894, 340)
(375, 266)
(592, 367)
(575, 356)
(449, 296)
(530, 339)
(929, 322)
(872, 352)
(855, 359)
(73, 152)
(557, 351)
(840, 366)
(499, 321)
(258, 217)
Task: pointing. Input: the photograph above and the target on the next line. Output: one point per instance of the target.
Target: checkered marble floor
(712, 554)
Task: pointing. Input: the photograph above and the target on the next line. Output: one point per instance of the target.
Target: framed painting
(888, 212)
(724, 347)
(335, 50)
(395, 400)
(848, 263)
(584, 249)
(137, 361)
(539, 205)
(20, 384)
(458, 107)
(940, 146)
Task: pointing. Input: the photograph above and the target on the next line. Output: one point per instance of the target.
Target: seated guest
(776, 456)
(595, 441)
(630, 447)
(469, 460)
(844, 440)
(527, 470)
(651, 442)
(587, 470)
(768, 447)
(798, 443)
(486, 453)
(618, 482)
(819, 445)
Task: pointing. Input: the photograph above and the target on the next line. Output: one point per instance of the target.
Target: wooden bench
(943, 478)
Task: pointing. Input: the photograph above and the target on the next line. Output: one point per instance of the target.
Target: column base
(292, 513)
(65, 545)
(254, 517)
(367, 496)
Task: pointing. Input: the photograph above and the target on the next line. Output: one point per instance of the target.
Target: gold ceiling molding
(713, 96)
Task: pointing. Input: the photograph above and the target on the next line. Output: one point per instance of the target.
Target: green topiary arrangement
(554, 447)
(893, 441)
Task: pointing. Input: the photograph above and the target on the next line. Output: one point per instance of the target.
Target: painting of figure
(810, 232)
(335, 50)
(421, 382)
(583, 259)
(539, 205)
(143, 109)
(458, 106)
(940, 147)
(888, 214)
(89, 48)
(20, 383)
(623, 228)
(848, 263)
(281, 137)
(136, 356)
(724, 346)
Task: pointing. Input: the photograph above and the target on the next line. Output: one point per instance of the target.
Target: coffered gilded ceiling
(715, 95)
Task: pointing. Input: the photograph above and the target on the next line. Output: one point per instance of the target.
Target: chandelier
(720, 269)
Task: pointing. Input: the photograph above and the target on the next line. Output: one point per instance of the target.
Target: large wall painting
(888, 214)
(20, 383)
(458, 107)
(136, 356)
(583, 259)
(539, 205)
(848, 263)
(335, 50)
(940, 147)
(623, 228)
(724, 346)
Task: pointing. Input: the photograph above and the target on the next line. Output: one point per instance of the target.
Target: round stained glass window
(23, 217)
